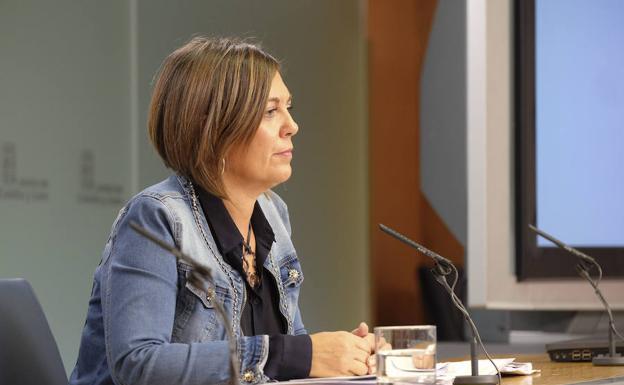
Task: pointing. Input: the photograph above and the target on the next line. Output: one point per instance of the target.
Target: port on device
(587, 356)
(576, 355)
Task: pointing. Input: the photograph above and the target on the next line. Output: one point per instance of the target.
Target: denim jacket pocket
(290, 272)
(196, 317)
(206, 296)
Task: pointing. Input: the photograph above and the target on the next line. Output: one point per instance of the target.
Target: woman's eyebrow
(277, 99)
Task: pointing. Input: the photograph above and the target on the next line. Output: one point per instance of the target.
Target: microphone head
(431, 254)
(560, 244)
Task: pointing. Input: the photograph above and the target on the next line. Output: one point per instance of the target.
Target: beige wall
(64, 94)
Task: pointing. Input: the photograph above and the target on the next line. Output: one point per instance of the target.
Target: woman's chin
(280, 177)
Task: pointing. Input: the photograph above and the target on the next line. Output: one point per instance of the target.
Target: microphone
(443, 265)
(443, 268)
(584, 257)
(583, 268)
(199, 276)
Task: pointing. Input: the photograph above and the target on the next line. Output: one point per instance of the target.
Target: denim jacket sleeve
(139, 300)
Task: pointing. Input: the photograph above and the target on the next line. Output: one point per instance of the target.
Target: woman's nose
(290, 126)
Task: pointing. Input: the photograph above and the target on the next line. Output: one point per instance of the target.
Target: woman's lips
(286, 153)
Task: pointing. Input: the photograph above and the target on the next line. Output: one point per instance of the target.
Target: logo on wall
(15, 187)
(93, 192)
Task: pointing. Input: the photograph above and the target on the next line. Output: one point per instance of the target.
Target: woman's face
(265, 162)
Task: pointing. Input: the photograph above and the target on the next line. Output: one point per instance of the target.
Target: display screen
(579, 70)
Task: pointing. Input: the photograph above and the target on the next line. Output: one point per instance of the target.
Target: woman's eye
(270, 112)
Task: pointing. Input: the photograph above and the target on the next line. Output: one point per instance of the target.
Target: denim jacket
(147, 325)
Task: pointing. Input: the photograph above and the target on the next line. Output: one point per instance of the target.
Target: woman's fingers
(364, 351)
(423, 361)
(361, 330)
(366, 344)
(372, 364)
(358, 369)
(370, 347)
(361, 356)
(339, 354)
(386, 346)
(382, 344)
(370, 339)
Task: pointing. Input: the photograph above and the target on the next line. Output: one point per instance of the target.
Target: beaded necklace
(252, 276)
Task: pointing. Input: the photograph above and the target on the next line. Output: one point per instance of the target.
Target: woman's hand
(339, 354)
(362, 331)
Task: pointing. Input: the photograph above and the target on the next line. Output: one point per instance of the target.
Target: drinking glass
(406, 354)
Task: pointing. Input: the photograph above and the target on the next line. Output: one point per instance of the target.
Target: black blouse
(289, 356)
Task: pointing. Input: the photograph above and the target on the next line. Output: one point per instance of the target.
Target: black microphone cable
(460, 306)
(584, 272)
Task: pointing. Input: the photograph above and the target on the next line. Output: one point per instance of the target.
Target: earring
(222, 166)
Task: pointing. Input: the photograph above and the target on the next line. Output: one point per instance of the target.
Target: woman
(219, 118)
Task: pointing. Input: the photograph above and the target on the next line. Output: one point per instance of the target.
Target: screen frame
(533, 261)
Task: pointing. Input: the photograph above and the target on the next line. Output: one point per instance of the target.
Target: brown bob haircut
(209, 95)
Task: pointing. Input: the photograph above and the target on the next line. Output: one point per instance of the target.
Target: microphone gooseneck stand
(583, 268)
(199, 276)
(443, 268)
